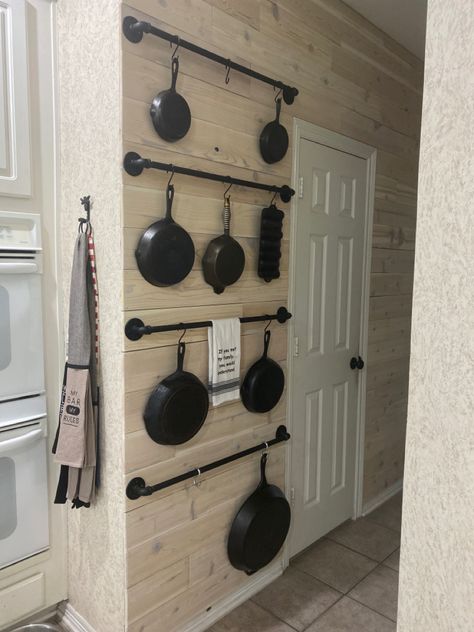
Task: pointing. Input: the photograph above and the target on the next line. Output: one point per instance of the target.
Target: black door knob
(356, 363)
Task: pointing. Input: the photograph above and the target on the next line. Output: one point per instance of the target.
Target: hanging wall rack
(137, 486)
(135, 328)
(134, 29)
(134, 164)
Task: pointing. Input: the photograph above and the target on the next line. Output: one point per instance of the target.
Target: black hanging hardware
(227, 74)
(356, 363)
(136, 328)
(137, 486)
(134, 164)
(86, 203)
(133, 30)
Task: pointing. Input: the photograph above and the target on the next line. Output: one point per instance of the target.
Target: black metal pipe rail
(133, 30)
(136, 328)
(137, 486)
(134, 164)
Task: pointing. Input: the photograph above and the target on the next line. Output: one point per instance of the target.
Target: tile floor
(345, 582)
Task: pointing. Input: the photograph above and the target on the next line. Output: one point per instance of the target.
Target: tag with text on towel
(224, 361)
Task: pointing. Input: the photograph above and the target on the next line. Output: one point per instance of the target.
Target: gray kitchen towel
(76, 440)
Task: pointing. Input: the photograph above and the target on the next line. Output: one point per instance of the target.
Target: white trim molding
(71, 620)
(382, 498)
(305, 130)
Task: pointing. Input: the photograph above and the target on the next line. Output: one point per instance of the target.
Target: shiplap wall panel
(352, 79)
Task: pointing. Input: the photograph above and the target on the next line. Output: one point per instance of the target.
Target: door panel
(331, 218)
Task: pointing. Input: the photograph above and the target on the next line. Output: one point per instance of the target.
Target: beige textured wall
(437, 563)
(90, 163)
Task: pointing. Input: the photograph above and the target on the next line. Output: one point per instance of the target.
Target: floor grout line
(370, 608)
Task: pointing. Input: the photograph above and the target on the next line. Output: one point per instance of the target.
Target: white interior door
(329, 270)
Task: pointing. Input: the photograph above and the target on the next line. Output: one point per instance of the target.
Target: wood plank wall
(352, 79)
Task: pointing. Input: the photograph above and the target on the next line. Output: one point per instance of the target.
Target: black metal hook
(85, 221)
(227, 74)
(178, 44)
(171, 176)
(278, 94)
(269, 322)
(273, 198)
(228, 189)
(182, 335)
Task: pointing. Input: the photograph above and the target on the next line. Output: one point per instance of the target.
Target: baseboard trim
(202, 623)
(381, 498)
(71, 619)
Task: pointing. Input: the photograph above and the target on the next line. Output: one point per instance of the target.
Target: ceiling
(404, 20)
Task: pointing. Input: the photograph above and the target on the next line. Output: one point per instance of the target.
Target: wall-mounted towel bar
(134, 164)
(135, 328)
(133, 30)
(137, 486)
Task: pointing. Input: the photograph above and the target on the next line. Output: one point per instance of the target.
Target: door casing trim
(309, 131)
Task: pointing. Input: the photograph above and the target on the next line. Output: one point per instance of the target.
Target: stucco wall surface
(90, 163)
(437, 562)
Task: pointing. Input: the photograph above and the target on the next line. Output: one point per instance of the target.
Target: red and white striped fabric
(91, 246)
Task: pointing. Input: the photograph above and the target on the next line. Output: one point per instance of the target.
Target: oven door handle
(18, 267)
(20, 442)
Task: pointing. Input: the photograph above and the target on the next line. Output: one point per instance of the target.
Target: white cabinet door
(15, 145)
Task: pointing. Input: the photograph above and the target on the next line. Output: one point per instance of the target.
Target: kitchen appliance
(21, 329)
(224, 259)
(165, 253)
(23, 489)
(263, 383)
(169, 110)
(260, 526)
(177, 407)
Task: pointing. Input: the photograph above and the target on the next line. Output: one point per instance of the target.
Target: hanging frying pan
(169, 111)
(264, 383)
(165, 252)
(274, 139)
(260, 527)
(224, 259)
(177, 407)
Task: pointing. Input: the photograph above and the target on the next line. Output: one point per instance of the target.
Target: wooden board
(352, 79)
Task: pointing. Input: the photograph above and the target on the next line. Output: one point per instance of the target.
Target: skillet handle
(263, 463)
(169, 200)
(181, 352)
(278, 110)
(266, 343)
(174, 73)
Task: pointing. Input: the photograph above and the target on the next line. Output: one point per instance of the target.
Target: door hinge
(296, 346)
(301, 187)
(292, 495)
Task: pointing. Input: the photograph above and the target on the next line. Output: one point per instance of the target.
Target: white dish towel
(224, 361)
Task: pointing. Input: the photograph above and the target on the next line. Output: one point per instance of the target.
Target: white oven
(21, 330)
(23, 489)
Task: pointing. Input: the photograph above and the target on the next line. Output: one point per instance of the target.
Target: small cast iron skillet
(170, 112)
(263, 384)
(260, 526)
(224, 259)
(165, 252)
(177, 407)
(274, 139)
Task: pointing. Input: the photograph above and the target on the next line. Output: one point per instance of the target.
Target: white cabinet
(15, 143)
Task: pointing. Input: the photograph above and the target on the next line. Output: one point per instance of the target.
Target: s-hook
(86, 203)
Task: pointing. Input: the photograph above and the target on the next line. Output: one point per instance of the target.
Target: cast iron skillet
(260, 527)
(169, 111)
(274, 139)
(224, 259)
(263, 384)
(165, 252)
(177, 407)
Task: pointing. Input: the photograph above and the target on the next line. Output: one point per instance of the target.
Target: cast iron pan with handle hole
(264, 382)
(260, 526)
(224, 259)
(170, 112)
(177, 407)
(165, 252)
(274, 139)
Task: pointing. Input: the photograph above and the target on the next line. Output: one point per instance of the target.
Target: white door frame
(304, 130)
